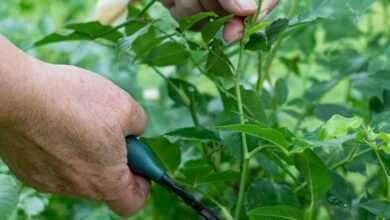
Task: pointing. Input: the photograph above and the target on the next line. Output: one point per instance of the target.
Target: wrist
(19, 77)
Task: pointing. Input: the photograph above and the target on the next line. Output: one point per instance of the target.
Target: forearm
(18, 77)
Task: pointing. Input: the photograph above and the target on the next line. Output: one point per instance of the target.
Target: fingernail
(247, 4)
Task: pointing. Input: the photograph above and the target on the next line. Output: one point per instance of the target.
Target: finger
(234, 29)
(267, 7)
(107, 11)
(184, 8)
(130, 195)
(135, 119)
(239, 7)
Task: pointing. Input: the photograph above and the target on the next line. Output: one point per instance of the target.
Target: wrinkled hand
(234, 28)
(68, 138)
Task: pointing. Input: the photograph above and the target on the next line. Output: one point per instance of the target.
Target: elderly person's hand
(108, 10)
(63, 129)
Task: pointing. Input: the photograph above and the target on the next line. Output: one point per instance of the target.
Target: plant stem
(350, 158)
(260, 76)
(243, 182)
(244, 146)
(382, 165)
(189, 103)
(275, 48)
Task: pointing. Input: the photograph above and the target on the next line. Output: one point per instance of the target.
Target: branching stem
(244, 145)
(374, 147)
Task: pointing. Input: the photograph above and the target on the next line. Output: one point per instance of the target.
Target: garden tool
(142, 161)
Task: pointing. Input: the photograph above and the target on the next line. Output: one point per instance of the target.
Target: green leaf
(275, 29)
(381, 122)
(196, 170)
(221, 177)
(264, 40)
(325, 111)
(254, 107)
(9, 196)
(188, 22)
(377, 207)
(134, 26)
(281, 211)
(57, 37)
(95, 29)
(372, 84)
(211, 29)
(335, 9)
(168, 154)
(339, 126)
(281, 91)
(195, 133)
(217, 61)
(257, 41)
(264, 192)
(315, 173)
(292, 64)
(145, 42)
(166, 54)
(318, 90)
(268, 134)
(183, 92)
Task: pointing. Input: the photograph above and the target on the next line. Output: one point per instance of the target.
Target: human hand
(234, 28)
(66, 135)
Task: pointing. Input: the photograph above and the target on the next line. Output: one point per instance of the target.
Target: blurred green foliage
(317, 108)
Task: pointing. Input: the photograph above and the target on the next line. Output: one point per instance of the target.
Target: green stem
(382, 165)
(284, 167)
(258, 11)
(189, 103)
(275, 48)
(350, 158)
(243, 183)
(244, 146)
(260, 76)
(335, 166)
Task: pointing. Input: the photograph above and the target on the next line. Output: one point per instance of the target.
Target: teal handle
(142, 160)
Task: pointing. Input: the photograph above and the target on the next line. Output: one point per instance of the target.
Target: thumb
(267, 7)
(129, 195)
(239, 7)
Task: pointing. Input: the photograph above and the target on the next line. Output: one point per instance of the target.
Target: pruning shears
(142, 161)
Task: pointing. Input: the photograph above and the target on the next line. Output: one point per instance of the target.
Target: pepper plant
(290, 122)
